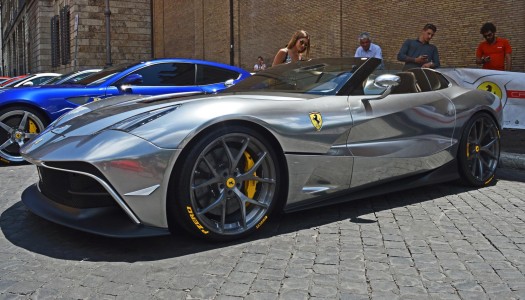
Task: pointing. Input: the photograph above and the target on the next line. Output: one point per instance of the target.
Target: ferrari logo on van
(317, 120)
(491, 87)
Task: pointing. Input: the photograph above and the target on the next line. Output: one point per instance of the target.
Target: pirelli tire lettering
(195, 221)
(262, 222)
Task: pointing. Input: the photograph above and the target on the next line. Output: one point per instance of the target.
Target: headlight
(136, 121)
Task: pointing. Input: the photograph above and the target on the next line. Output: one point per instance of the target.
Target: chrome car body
(291, 137)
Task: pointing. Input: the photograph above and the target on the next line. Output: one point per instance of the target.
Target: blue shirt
(373, 51)
(415, 48)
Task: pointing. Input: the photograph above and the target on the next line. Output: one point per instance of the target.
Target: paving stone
(438, 242)
(294, 294)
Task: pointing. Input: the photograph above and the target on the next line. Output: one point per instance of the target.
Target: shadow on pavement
(28, 231)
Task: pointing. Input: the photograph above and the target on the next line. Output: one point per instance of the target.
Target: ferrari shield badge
(317, 120)
(491, 87)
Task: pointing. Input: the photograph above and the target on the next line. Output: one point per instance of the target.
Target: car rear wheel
(228, 184)
(479, 150)
(17, 126)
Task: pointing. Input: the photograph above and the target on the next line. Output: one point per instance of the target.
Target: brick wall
(192, 28)
(200, 29)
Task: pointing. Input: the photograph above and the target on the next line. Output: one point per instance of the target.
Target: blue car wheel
(17, 126)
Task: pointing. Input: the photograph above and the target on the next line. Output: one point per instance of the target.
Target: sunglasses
(303, 42)
(490, 34)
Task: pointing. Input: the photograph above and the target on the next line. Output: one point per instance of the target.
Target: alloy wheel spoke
(489, 153)
(206, 183)
(212, 168)
(212, 205)
(7, 143)
(480, 168)
(6, 128)
(23, 122)
(241, 151)
(228, 153)
(484, 162)
(215, 179)
(259, 179)
(234, 161)
(489, 144)
(256, 164)
(242, 206)
(244, 199)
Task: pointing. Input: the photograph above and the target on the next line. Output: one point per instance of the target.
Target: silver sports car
(288, 138)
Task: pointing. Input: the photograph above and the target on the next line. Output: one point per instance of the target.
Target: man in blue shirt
(419, 53)
(367, 48)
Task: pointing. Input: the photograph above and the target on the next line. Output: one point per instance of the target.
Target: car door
(161, 78)
(400, 135)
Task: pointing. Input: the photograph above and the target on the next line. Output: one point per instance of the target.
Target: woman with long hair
(298, 48)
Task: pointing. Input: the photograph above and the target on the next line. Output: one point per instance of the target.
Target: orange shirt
(496, 52)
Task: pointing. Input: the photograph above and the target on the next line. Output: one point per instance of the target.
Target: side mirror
(29, 83)
(229, 82)
(133, 79)
(387, 82)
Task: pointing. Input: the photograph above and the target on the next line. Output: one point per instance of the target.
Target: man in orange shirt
(493, 53)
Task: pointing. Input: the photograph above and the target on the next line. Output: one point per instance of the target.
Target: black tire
(227, 185)
(479, 150)
(17, 126)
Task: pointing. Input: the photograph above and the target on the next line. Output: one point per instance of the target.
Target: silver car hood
(104, 114)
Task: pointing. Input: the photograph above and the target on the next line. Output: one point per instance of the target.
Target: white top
(256, 67)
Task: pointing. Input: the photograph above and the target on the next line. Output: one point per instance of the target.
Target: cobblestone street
(438, 242)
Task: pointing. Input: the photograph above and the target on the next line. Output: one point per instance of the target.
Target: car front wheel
(228, 184)
(17, 126)
(479, 150)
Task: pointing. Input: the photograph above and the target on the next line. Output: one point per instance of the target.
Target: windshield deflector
(324, 76)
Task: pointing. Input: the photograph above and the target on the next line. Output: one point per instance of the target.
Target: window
(168, 74)
(211, 75)
(60, 38)
(65, 43)
(55, 45)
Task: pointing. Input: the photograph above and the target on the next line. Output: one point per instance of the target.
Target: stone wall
(28, 47)
(130, 32)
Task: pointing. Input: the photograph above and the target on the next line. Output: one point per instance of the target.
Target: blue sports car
(24, 112)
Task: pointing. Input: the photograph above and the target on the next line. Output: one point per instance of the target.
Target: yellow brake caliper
(32, 127)
(250, 186)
